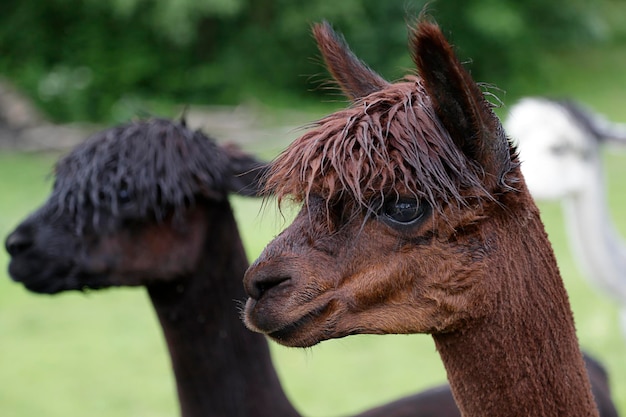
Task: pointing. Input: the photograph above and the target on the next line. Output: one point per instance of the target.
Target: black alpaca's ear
(459, 103)
(247, 172)
(355, 78)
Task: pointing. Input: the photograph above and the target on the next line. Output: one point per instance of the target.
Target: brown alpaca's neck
(523, 358)
(221, 368)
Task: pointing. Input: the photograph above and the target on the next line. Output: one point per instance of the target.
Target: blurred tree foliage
(95, 60)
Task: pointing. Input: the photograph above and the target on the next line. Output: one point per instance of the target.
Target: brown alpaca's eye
(404, 211)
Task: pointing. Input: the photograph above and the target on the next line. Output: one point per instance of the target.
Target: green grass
(101, 354)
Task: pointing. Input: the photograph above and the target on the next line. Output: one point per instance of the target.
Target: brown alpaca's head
(397, 193)
(132, 205)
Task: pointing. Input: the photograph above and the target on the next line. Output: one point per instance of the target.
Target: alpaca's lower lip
(294, 333)
(285, 333)
(36, 277)
(51, 278)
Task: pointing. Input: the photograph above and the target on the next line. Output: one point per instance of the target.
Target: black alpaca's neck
(523, 357)
(221, 368)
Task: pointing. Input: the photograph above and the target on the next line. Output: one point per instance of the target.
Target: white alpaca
(559, 144)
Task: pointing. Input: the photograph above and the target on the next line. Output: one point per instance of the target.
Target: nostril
(18, 242)
(261, 285)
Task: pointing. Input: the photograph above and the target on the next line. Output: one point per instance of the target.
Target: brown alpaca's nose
(258, 281)
(18, 242)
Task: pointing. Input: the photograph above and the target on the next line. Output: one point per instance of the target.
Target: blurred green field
(101, 354)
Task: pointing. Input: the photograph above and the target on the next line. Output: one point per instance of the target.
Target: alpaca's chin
(306, 329)
(44, 286)
(41, 276)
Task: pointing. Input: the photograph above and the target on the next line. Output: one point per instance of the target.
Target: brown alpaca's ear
(247, 172)
(459, 103)
(355, 78)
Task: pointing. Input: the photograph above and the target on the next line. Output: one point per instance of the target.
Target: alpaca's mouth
(47, 276)
(39, 275)
(293, 332)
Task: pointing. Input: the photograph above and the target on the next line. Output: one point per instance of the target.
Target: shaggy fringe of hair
(151, 167)
(391, 143)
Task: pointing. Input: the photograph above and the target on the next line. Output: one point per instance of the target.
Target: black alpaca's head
(128, 204)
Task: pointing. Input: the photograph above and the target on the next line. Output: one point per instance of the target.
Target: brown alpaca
(416, 219)
(146, 204)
